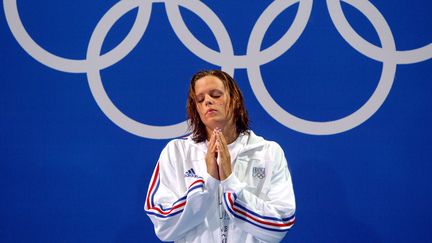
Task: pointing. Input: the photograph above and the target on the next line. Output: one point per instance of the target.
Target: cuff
(211, 183)
(232, 184)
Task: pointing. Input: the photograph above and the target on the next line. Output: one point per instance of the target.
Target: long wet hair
(236, 106)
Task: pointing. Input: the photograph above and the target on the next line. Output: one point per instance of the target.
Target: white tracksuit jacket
(185, 204)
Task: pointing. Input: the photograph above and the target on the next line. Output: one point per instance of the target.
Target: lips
(210, 111)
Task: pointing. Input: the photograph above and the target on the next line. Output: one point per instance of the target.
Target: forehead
(208, 83)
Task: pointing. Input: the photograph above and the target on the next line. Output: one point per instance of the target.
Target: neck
(230, 135)
(229, 132)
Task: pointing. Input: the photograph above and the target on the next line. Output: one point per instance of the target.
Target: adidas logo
(191, 173)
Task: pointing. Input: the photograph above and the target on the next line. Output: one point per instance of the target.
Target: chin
(215, 124)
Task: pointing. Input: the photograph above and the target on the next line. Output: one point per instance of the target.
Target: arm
(266, 218)
(174, 213)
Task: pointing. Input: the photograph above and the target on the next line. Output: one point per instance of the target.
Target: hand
(224, 156)
(211, 156)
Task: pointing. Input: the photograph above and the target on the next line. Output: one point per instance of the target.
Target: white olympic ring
(225, 58)
(71, 65)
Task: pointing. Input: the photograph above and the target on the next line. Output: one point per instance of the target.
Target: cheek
(222, 102)
(226, 105)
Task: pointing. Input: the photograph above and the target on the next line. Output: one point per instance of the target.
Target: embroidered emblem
(191, 173)
(258, 172)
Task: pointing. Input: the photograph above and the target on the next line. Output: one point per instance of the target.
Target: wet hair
(236, 106)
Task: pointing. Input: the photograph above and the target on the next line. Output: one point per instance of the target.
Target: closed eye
(216, 93)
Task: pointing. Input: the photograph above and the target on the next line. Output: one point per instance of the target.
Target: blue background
(69, 174)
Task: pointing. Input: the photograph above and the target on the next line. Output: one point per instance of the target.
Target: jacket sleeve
(267, 217)
(175, 211)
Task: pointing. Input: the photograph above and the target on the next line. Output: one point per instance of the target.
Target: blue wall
(83, 112)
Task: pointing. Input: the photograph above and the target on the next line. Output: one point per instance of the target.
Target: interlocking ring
(225, 58)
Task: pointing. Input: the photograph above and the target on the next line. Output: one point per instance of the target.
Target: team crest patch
(258, 172)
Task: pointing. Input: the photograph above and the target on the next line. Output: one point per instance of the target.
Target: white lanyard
(223, 217)
(234, 150)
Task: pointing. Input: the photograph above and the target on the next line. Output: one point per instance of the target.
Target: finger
(217, 142)
(223, 140)
(213, 137)
(212, 142)
(222, 143)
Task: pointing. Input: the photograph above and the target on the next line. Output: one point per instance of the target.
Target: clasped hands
(218, 158)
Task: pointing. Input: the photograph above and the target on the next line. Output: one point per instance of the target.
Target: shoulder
(255, 140)
(267, 149)
(177, 142)
(178, 146)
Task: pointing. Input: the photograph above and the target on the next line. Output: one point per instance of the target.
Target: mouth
(210, 111)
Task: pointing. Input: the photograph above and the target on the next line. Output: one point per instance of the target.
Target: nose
(208, 100)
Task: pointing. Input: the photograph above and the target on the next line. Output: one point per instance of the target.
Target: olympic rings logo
(225, 58)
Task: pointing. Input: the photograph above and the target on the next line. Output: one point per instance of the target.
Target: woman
(222, 183)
